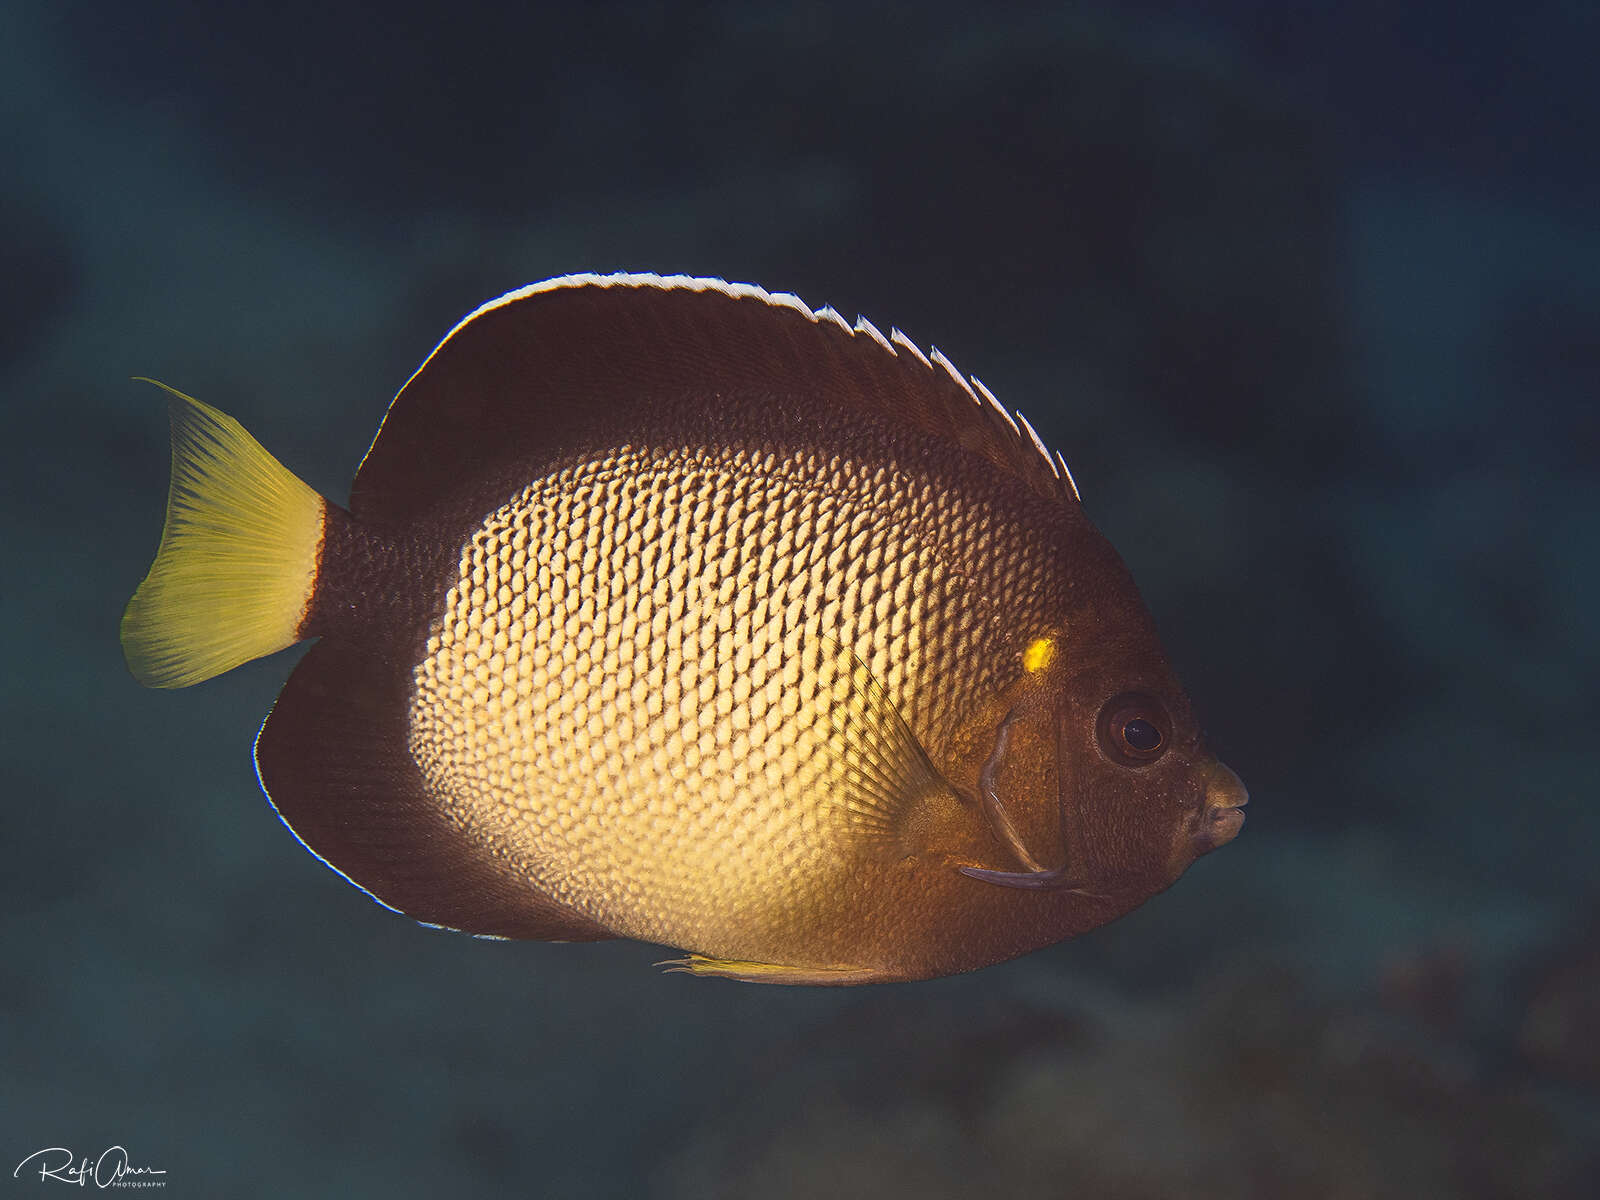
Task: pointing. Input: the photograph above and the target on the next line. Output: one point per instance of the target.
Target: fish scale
(712, 719)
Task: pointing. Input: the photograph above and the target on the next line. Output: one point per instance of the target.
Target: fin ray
(880, 770)
(237, 563)
(759, 972)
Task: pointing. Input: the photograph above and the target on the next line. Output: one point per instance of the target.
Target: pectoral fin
(879, 776)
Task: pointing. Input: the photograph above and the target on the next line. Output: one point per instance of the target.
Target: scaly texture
(642, 686)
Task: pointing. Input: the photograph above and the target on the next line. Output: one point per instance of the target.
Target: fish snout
(1223, 814)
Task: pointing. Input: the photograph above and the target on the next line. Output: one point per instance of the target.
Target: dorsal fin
(540, 370)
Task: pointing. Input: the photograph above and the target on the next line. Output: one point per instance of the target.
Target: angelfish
(673, 609)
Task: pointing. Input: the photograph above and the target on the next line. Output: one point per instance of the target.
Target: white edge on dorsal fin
(777, 299)
(624, 279)
(828, 313)
(620, 279)
(867, 327)
(949, 369)
(1038, 444)
(995, 406)
(696, 283)
(1066, 473)
(739, 290)
(900, 339)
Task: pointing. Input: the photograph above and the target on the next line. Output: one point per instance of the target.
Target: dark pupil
(1141, 735)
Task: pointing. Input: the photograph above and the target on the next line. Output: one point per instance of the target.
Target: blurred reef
(1245, 1085)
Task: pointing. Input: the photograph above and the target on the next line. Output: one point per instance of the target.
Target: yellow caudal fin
(238, 557)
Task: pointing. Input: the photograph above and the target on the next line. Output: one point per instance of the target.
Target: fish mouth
(1222, 815)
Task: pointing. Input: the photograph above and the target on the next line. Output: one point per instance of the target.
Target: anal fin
(333, 760)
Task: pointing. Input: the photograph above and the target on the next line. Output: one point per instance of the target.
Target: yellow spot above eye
(1039, 654)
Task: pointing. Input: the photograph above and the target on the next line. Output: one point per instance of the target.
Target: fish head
(1141, 795)
(1098, 780)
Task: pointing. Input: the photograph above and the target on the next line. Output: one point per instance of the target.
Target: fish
(672, 609)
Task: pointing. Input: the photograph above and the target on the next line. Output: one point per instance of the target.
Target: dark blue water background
(1308, 295)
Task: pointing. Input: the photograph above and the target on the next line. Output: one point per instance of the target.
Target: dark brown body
(677, 611)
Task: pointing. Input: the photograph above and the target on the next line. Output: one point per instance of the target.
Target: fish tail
(237, 566)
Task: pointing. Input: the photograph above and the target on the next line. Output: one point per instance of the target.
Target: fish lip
(1222, 816)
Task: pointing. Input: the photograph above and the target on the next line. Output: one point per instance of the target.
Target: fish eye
(1133, 729)
(1141, 736)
